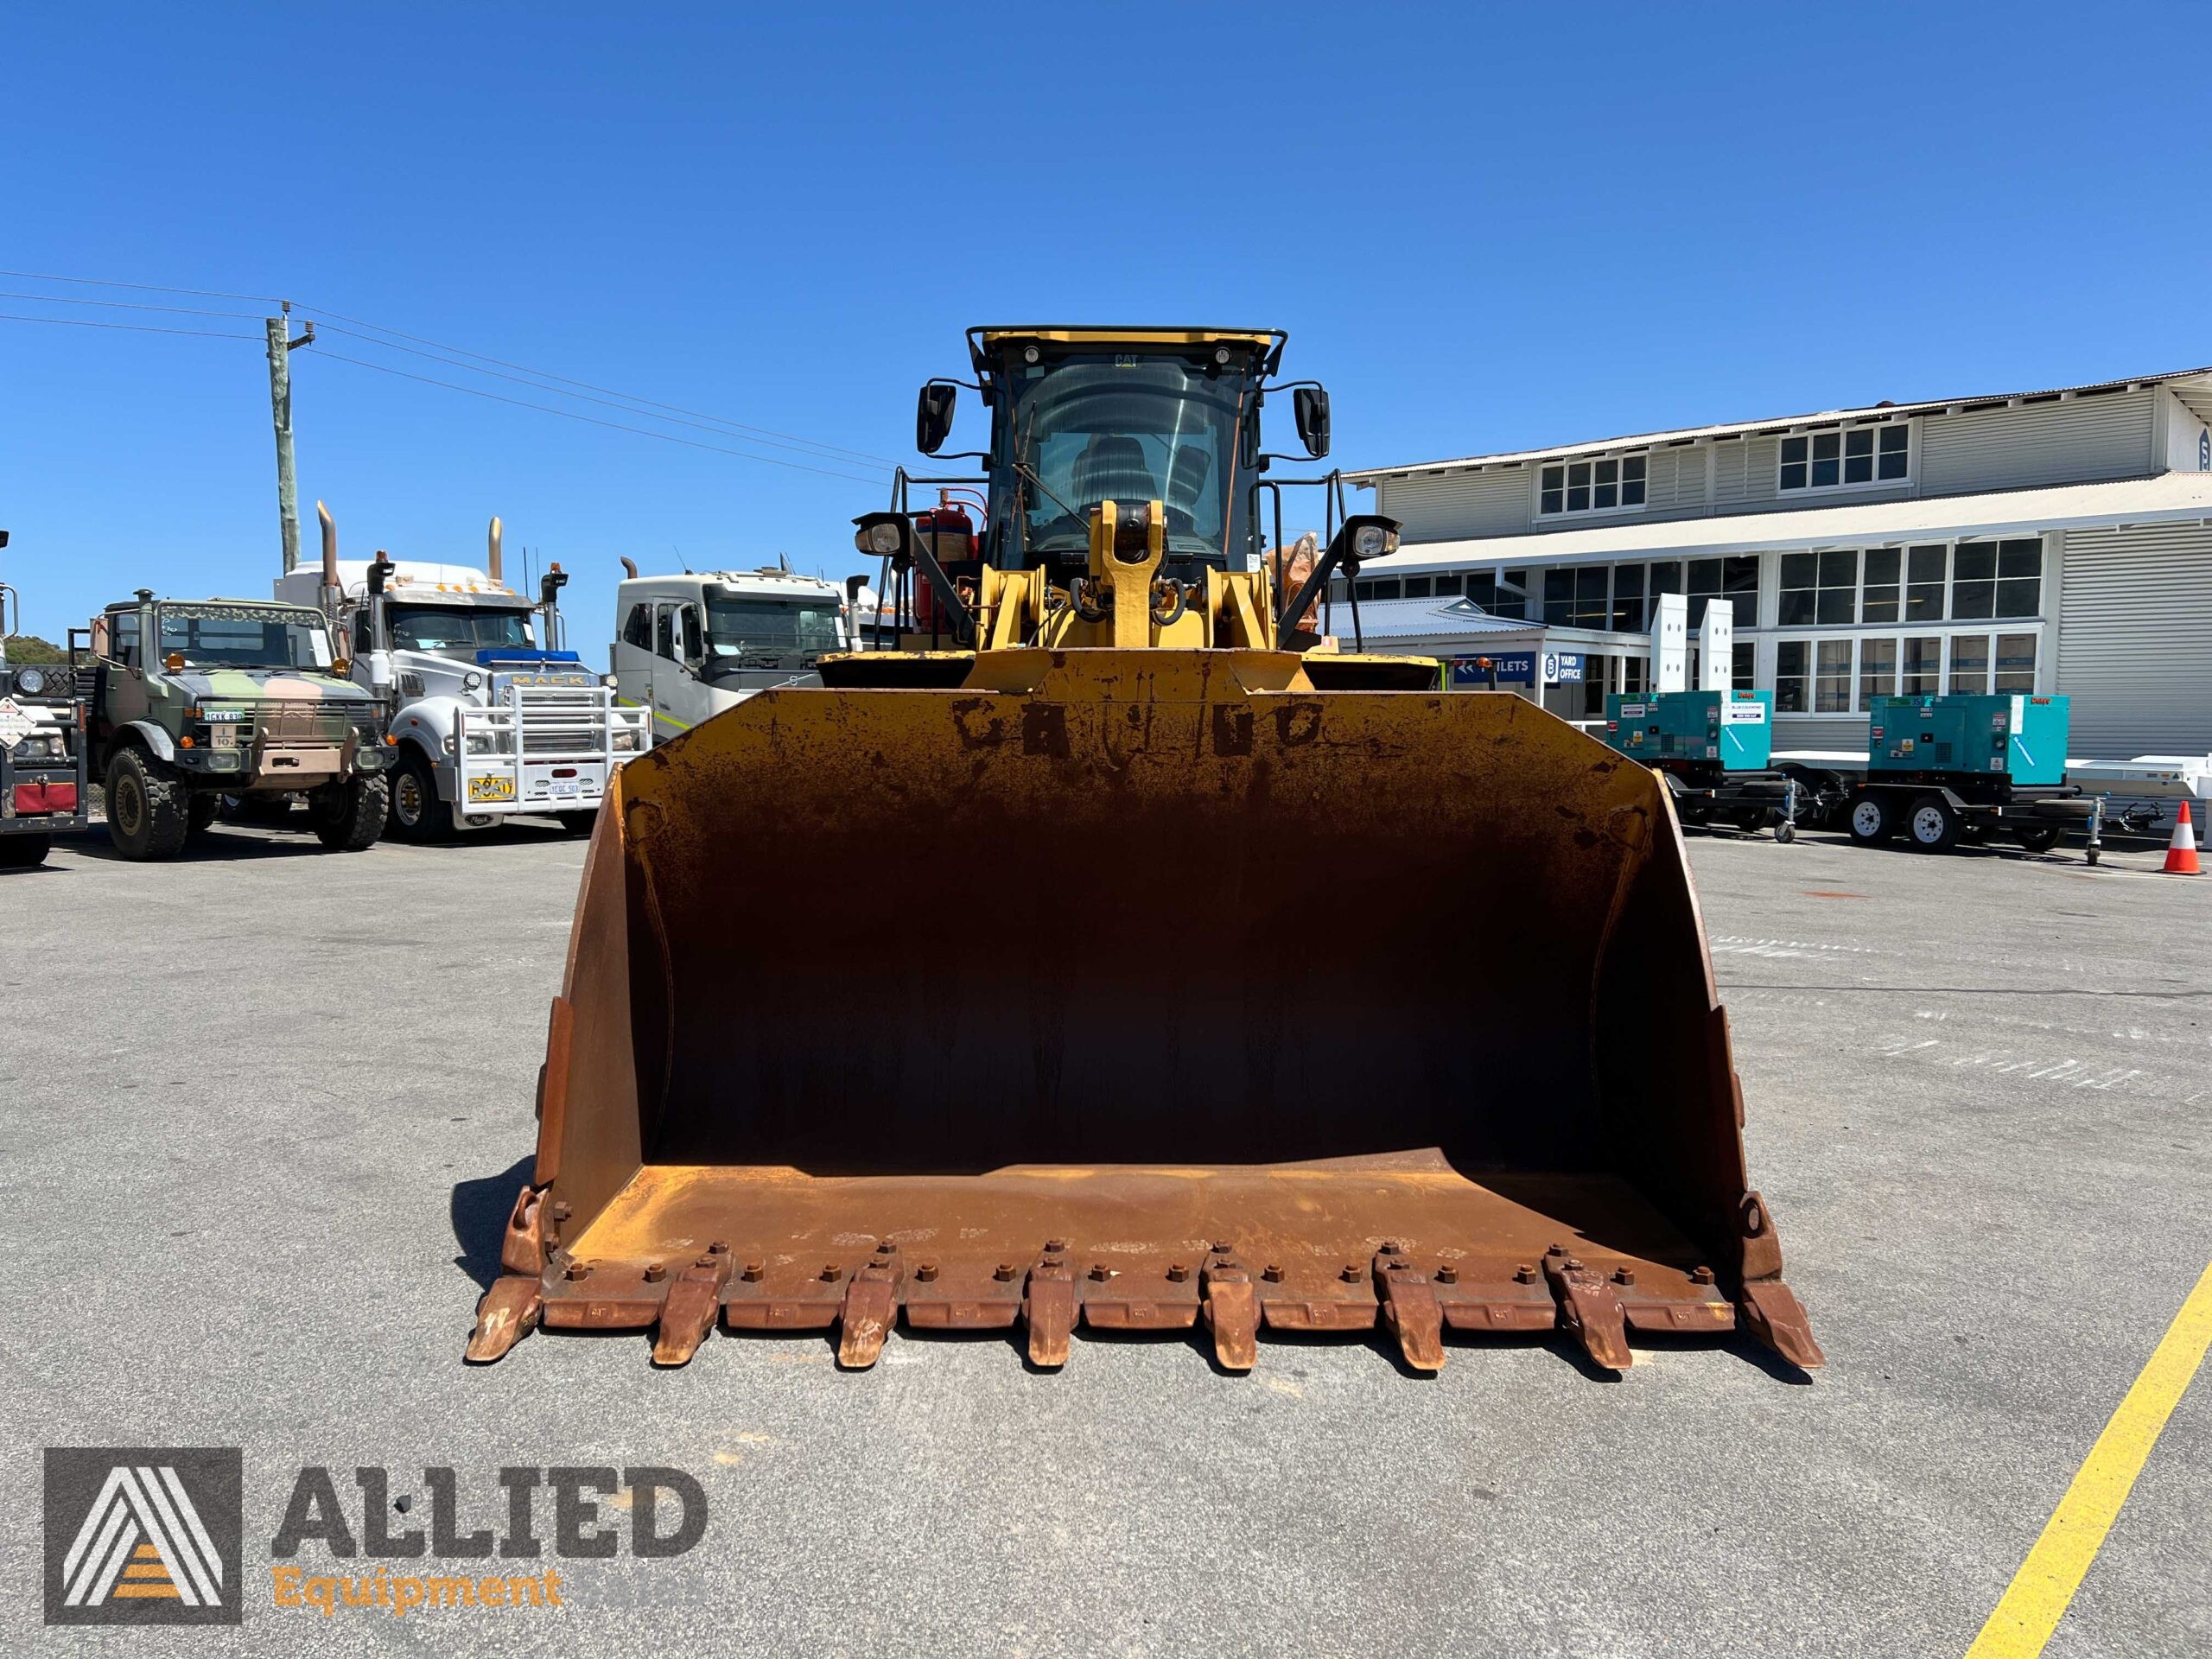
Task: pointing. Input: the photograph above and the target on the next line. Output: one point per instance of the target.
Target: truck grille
(559, 720)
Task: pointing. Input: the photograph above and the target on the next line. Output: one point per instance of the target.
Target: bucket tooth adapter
(1119, 952)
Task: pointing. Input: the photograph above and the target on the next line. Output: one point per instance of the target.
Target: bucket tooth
(507, 1313)
(1048, 1306)
(693, 1302)
(1232, 1313)
(1773, 1314)
(1410, 1310)
(1589, 1311)
(871, 1306)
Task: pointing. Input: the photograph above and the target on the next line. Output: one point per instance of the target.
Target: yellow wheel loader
(1107, 950)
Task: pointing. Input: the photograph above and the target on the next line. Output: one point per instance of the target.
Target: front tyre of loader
(147, 815)
(24, 852)
(1871, 819)
(348, 816)
(418, 814)
(1933, 823)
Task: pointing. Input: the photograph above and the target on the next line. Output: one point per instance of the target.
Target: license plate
(567, 791)
(491, 789)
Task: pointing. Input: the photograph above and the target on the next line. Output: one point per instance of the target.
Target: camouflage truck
(192, 700)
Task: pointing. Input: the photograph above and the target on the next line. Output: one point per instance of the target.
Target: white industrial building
(2041, 542)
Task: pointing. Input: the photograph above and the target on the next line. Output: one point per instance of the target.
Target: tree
(26, 648)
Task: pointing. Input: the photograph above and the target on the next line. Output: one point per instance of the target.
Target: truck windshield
(1127, 428)
(243, 636)
(459, 630)
(742, 629)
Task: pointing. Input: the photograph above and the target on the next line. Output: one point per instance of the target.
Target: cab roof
(985, 338)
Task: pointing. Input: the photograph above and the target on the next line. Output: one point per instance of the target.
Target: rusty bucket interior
(1146, 990)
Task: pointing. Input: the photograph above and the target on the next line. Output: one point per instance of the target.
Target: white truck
(693, 645)
(492, 718)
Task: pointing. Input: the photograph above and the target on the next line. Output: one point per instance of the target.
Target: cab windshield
(458, 630)
(1128, 427)
(243, 636)
(749, 632)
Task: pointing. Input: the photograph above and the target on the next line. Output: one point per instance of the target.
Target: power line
(126, 305)
(543, 374)
(134, 327)
(798, 446)
(589, 420)
(143, 288)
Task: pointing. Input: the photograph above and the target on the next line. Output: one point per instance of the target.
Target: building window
(1790, 677)
(1840, 457)
(1506, 598)
(1743, 665)
(1923, 668)
(1832, 678)
(1818, 587)
(1923, 588)
(1735, 579)
(1418, 587)
(1969, 663)
(1632, 671)
(2016, 664)
(1377, 588)
(1627, 599)
(1991, 579)
(1449, 584)
(1575, 597)
(1592, 485)
(1878, 670)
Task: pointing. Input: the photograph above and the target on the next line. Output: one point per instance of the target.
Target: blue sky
(1484, 228)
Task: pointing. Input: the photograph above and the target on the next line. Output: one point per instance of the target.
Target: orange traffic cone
(2181, 851)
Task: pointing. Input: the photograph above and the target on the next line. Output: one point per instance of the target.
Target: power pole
(280, 407)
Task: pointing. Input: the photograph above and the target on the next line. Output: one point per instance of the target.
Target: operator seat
(1112, 469)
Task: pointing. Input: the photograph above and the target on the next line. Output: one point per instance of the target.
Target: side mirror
(933, 416)
(550, 584)
(1312, 404)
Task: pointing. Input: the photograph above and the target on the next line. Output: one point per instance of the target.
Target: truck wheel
(1934, 825)
(198, 812)
(418, 814)
(578, 824)
(2037, 837)
(1871, 821)
(349, 816)
(145, 807)
(24, 852)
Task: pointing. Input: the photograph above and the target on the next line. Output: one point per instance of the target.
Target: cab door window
(664, 632)
(123, 637)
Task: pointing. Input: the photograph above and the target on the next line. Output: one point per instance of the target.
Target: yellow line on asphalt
(2037, 1597)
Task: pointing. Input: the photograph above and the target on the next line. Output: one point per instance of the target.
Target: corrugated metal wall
(1829, 735)
(2107, 436)
(1443, 507)
(2135, 640)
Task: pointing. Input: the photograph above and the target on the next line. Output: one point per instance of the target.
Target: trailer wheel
(145, 807)
(24, 852)
(1871, 820)
(418, 814)
(2037, 837)
(1785, 832)
(1934, 825)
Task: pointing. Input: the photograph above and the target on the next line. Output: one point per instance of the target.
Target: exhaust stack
(493, 566)
(331, 597)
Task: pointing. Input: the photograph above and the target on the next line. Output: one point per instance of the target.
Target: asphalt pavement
(264, 1110)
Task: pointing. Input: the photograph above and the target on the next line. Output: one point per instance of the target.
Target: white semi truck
(492, 718)
(693, 645)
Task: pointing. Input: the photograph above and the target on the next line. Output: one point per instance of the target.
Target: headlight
(31, 681)
(1372, 542)
(471, 680)
(883, 538)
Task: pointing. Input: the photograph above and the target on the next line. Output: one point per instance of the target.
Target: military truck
(41, 752)
(189, 701)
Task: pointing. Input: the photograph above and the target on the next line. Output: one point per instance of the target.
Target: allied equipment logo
(143, 1535)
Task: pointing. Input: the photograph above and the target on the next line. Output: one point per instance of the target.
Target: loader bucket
(1141, 990)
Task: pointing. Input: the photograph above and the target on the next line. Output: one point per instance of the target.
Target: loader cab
(1084, 416)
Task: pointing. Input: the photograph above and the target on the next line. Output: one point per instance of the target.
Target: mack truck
(42, 790)
(490, 717)
(693, 645)
(189, 701)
